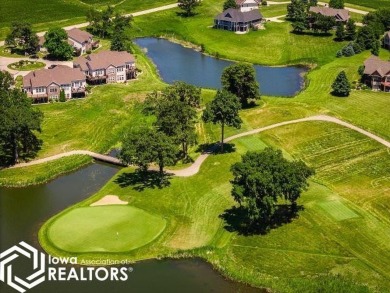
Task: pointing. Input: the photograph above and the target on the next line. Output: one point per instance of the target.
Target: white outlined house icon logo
(22, 250)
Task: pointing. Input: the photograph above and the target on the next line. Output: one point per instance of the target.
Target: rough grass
(292, 257)
(62, 13)
(105, 229)
(31, 65)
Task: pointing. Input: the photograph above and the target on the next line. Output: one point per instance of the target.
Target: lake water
(175, 62)
(24, 210)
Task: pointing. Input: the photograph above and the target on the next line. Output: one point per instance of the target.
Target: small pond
(24, 210)
(175, 62)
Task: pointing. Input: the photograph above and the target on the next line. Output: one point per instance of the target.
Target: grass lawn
(344, 228)
(105, 229)
(26, 65)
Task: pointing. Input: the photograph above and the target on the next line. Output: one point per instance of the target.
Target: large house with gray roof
(340, 15)
(107, 67)
(46, 84)
(240, 19)
(377, 74)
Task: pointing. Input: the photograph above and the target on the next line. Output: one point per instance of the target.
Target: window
(120, 69)
(53, 90)
(40, 89)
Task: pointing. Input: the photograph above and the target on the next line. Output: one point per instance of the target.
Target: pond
(24, 210)
(175, 62)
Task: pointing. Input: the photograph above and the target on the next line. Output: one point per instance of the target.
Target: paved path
(194, 168)
(276, 18)
(5, 61)
(139, 13)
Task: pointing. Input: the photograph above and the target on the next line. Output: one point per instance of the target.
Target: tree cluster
(56, 43)
(263, 179)
(110, 24)
(19, 123)
(23, 37)
(229, 4)
(338, 4)
(175, 111)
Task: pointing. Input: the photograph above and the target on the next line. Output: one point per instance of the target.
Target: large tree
(366, 37)
(100, 22)
(229, 4)
(223, 110)
(175, 110)
(261, 178)
(145, 146)
(296, 10)
(56, 42)
(240, 80)
(19, 123)
(23, 37)
(188, 6)
(322, 23)
(341, 86)
(350, 30)
(339, 4)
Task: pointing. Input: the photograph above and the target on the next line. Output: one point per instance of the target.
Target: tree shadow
(236, 220)
(215, 148)
(140, 180)
(185, 14)
(312, 34)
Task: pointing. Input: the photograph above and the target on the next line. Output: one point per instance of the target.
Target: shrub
(348, 50)
(62, 96)
(339, 54)
(341, 86)
(264, 3)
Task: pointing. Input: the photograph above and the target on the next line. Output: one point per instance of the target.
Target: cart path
(194, 168)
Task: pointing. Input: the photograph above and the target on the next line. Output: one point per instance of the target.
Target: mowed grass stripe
(338, 210)
(105, 229)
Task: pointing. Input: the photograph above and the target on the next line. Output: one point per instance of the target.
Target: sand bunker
(109, 200)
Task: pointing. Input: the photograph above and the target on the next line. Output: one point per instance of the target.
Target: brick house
(107, 67)
(377, 74)
(46, 84)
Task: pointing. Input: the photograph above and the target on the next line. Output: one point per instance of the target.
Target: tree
(261, 178)
(19, 122)
(341, 86)
(223, 110)
(240, 80)
(188, 6)
(22, 36)
(340, 32)
(348, 50)
(366, 38)
(229, 4)
(62, 96)
(100, 22)
(120, 42)
(378, 20)
(339, 4)
(56, 42)
(375, 48)
(322, 23)
(350, 30)
(299, 26)
(6, 80)
(146, 146)
(313, 3)
(175, 110)
(296, 10)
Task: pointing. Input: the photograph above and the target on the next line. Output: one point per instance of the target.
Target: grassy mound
(105, 229)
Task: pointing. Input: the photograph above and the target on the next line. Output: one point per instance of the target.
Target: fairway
(105, 229)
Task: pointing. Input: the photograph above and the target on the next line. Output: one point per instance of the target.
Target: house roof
(375, 64)
(240, 2)
(339, 14)
(59, 74)
(104, 59)
(235, 15)
(78, 35)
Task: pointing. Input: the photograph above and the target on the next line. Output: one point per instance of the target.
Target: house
(386, 40)
(341, 15)
(240, 19)
(377, 74)
(107, 66)
(46, 84)
(81, 41)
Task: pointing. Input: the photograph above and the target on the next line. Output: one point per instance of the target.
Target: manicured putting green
(105, 229)
(338, 210)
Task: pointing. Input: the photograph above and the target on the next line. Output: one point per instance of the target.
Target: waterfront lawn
(108, 228)
(273, 46)
(352, 241)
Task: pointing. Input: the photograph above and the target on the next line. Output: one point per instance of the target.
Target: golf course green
(105, 229)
